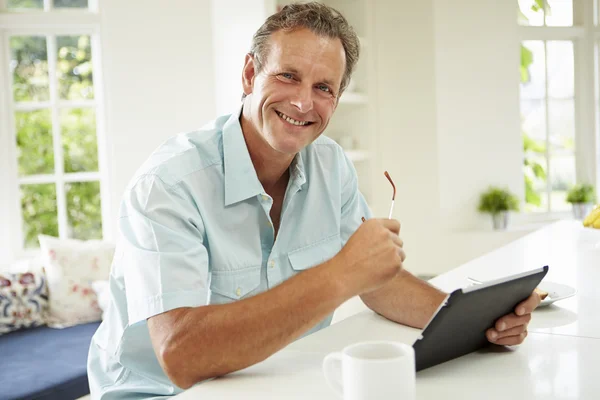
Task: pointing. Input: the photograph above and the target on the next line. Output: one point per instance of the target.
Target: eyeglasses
(389, 178)
(393, 195)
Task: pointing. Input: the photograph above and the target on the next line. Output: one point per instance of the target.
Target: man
(238, 239)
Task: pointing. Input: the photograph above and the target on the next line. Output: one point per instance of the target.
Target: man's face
(295, 94)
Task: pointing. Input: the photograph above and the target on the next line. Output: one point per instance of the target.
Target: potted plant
(498, 202)
(582, 197)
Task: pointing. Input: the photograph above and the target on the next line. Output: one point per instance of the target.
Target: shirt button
(238, 292)
(264, 197)
(271, 264)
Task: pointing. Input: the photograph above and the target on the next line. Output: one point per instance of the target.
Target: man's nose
(302, 98)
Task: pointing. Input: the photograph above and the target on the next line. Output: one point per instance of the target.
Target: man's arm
(406, 300)
(196, 343)
(411, 301)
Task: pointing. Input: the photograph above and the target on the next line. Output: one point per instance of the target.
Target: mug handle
(332, 368)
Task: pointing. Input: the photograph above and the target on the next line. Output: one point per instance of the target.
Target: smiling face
(291, 100)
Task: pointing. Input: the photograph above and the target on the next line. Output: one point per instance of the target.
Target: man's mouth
(292, 120)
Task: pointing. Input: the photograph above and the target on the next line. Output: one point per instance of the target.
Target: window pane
(74, 67)
(559, 13)
(562, 177)
(25, 4)
(34, 142)
(29, 68)
(70, 3)
(533, 64)
(561, 69)
(84, 210)
(78, 128)
(535, 170)
(38, 204)
(531, 12)
(561, 116)
(533, 119)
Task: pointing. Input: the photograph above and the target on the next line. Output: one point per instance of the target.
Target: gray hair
(322, 20)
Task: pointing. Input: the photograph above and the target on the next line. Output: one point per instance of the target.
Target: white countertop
(557, 361)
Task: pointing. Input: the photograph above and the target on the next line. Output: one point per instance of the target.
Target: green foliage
(35, 141)
(84, 211)
(30, 68)
(25, 4)
(533, 170)
(38, 204)
(78, 128)
(526, 61)
(581, 193)
(496, 200)
(35, 150)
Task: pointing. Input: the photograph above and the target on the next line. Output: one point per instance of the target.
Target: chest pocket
(227, 286)
(315, 253)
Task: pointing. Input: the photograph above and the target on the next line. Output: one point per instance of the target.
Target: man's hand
(512, 328)
(372, 256)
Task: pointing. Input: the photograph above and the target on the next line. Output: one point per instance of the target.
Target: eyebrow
(295, 71)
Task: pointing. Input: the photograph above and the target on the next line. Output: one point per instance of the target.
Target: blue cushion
(45, 363)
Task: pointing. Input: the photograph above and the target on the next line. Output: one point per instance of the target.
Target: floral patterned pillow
(71, 266)
(23, 301)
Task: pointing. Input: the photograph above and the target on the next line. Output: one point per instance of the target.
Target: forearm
(214, 340)
(406, 299)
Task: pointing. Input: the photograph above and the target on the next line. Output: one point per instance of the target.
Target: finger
(512, 340)
(527, 306)
(391, 224)
(402, 254)
(397, 240)
(511, 320)
(493, 335)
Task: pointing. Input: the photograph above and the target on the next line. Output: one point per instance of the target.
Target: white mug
(372, 370)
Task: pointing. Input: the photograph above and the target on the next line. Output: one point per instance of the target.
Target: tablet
(459, 325)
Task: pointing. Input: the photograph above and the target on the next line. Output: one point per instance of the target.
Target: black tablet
(459, 325)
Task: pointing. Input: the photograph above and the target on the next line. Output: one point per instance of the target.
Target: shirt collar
(241, 181)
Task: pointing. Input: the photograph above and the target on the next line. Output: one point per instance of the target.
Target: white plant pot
(500, 220)
(580, 210)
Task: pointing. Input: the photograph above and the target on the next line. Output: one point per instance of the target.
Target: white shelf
(353, 98)
(358, 155)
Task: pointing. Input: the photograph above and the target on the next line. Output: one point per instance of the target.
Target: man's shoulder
(185, 153)
(325, 146)
(328, 151)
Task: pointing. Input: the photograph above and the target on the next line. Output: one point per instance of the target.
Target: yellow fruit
(596, 223)
(593, 218)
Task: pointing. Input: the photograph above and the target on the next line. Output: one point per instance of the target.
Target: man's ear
(248, 74)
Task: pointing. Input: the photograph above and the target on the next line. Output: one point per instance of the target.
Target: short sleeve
(354, 205)
(164, 259)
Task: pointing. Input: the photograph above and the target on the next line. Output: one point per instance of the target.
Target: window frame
(585, 36)
(50, 24)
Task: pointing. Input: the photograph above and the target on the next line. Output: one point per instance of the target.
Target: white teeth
(291, 120)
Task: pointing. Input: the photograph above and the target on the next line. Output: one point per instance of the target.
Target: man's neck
(272, 167)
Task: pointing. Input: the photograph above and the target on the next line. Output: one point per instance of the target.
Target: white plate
(556, 291)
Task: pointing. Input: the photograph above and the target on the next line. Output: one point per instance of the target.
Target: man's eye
(287, 75)
(324, 88)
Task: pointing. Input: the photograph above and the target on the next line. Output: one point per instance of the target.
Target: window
(557, 99)
(51, 126)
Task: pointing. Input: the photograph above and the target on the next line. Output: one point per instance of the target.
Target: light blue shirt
(195, 229)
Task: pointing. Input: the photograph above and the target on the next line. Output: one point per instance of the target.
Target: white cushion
(71, 266)
(103, 294)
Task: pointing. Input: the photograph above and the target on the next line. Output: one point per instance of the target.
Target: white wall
(448, 122)
(158, 78)
(231, 38)
(406, 122)
(477, 93)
